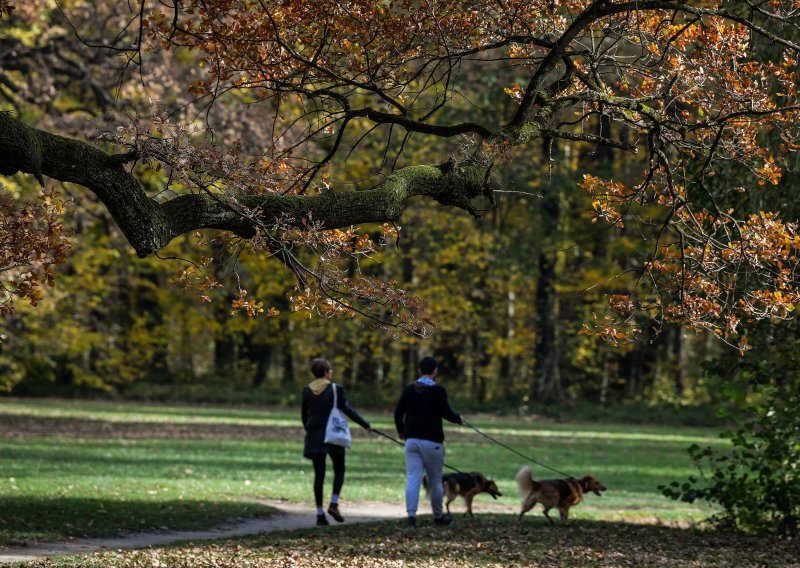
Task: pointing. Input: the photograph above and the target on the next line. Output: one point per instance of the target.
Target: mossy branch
(149, 225)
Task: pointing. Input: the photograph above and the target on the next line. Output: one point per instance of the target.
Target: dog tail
(427, 485)
(525, 482)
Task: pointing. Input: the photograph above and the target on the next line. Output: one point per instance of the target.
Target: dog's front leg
(447, 504)
(468, 496)
(546, 514)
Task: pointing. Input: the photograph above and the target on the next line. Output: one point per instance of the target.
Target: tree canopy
(702, 97)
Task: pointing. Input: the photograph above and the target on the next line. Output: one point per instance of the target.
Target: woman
(317, 406)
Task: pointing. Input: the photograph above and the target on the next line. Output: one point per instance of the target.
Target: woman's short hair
(319, 367)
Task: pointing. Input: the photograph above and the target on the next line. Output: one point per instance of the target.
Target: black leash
(499, 443)
(396, 441)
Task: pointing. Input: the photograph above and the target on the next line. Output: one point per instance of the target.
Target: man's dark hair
(319, 367)
(427, 365)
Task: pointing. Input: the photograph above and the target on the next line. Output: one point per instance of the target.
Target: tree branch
(149, 225)
(442, 130)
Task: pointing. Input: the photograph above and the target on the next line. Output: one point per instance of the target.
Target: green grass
(101, 468)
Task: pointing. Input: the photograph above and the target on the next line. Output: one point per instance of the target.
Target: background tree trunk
(547, 375)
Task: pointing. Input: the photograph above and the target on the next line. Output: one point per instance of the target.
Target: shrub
(756, 482)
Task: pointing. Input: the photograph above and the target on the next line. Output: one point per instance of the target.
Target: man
(418, 419)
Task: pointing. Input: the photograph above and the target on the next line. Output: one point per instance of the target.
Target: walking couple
(418, 419)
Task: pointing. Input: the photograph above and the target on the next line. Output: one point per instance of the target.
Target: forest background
(510, 293)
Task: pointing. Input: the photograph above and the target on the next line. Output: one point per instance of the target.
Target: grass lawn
(78, 468)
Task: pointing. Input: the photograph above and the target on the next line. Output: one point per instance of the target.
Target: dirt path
(289, 516)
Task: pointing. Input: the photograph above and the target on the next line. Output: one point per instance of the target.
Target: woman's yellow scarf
(318, 385)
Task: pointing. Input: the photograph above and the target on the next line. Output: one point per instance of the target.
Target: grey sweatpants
(424, 457)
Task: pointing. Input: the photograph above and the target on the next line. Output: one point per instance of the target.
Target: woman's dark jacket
(315, 411)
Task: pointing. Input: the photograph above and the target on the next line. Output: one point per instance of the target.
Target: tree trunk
(261, 354)
(504, 377)
(409, 355)
(287, 352)
(681, 360)
(604, 380)
(546, 375)
(225, 355)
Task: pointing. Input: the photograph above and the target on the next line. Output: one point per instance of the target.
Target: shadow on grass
(56, 518)
(72, 427)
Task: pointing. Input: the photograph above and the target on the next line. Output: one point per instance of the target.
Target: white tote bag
(337, 431)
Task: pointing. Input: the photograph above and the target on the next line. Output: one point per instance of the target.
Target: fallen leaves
(485, 541)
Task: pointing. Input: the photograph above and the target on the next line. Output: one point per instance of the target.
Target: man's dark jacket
(420, 410)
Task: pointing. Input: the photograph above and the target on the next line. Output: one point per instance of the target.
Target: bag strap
(333, 386)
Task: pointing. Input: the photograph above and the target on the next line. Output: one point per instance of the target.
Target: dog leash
(509, 448)
(396, 441)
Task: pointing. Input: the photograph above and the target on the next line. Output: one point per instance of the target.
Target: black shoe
(333, 511)
(322, 521)
(411, 521)
(445, 519)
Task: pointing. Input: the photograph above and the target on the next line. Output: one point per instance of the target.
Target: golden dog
(560, 493)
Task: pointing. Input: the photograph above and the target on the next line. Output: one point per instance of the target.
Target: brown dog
(466, 485)
(561, 493)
